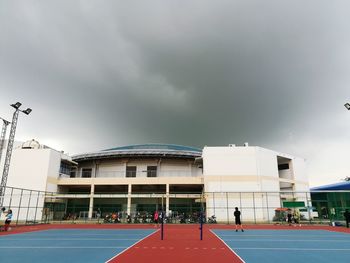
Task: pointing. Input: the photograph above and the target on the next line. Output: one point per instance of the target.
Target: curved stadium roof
(143, 150)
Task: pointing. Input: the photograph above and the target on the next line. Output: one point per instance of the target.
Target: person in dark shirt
(237, 215)
(347, 217)
(289, 217)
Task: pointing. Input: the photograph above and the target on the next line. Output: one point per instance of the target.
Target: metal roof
(142, 151)
(337, 186)
(156, 146)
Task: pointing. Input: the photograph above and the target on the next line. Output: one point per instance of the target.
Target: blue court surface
(69, 245)
(287, 246)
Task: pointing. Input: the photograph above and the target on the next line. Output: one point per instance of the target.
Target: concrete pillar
(167, 200)
(190, 168)
(125, 166)
(128, 206)
(91, 204)
(159, 172)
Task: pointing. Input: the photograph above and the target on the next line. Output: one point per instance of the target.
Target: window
(284, 166)
(151, 171)
(86, 173)
(65, 168)
(131, 171)
(72, 173)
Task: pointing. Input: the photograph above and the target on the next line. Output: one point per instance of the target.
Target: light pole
(3, 135)
(5, 172)
(347, 106)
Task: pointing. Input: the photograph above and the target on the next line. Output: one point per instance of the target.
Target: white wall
(267, 169)
(35, 169)
(29, 168)
(229, 161)
(245, 169)
(166, 168)
(299, 167)
(266, 162)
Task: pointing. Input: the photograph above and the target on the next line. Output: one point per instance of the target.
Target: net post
(201, 225)
(162, 226)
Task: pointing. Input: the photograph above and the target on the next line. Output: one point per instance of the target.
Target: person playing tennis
(237, 215)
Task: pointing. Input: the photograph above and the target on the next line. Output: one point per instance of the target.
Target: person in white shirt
(8, 219)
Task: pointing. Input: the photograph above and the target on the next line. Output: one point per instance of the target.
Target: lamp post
(5, 172)
(3, 135)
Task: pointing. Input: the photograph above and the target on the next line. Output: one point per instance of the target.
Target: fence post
(10, 198)
(240, 203)
(309, 207)
(19, 207)
(227, 210)
(36, 206)
(267, 207)
(213, 203)
(30, 197)
(254, 208)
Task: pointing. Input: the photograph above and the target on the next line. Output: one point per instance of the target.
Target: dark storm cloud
(99, 74)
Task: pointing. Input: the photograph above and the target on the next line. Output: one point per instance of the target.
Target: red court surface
(181, 242)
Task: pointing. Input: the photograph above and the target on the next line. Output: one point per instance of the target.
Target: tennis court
(142, 243)
(287, 245)
(69, 245)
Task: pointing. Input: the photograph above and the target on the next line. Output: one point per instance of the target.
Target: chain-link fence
(33, 207)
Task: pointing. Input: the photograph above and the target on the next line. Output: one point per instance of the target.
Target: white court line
(289, 240)
(131, 246)
(72, 239)
(227, 246)
(88, 234)
(41, 247)
(299, 236)
(287, 248)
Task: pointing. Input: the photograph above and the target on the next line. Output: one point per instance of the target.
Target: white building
(33, 167)
(142, 178)
(253, 178)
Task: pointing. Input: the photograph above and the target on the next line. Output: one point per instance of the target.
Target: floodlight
(27, 111)
(347, 106)
(16, 105)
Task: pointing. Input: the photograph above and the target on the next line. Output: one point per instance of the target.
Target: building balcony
(139, 174)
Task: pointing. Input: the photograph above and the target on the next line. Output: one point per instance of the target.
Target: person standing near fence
(296, 216)
(237, 215)
(8, 219)
(156, 218)
(347, 217)
(289, 217)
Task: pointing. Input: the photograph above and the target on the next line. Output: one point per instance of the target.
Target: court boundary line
(286, 248)
(287, 235)
(73, 239)
(56, 247)
(121, 252)
(289, 240)
(227, 245)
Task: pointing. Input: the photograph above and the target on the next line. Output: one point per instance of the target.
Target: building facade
(177, 179)
(331, 200)
(34, 171)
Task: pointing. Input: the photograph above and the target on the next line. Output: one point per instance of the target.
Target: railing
(139, 174)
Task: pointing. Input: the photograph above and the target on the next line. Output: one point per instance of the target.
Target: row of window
(130, 172)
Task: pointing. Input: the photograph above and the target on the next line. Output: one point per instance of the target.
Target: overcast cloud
(100, 74)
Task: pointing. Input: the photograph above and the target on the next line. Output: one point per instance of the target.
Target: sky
(101, 74)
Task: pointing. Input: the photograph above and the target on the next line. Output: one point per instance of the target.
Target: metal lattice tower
(2, 147)
(5, 172)
(3, 135)
(11, 141)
